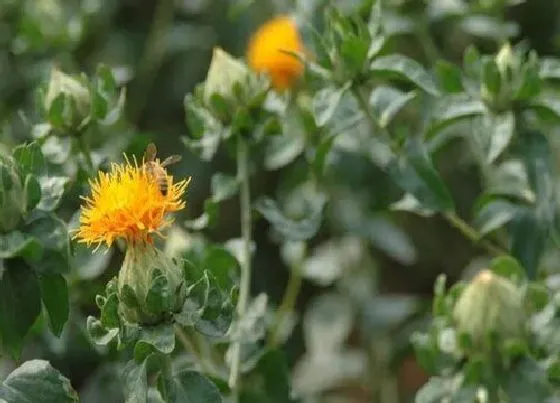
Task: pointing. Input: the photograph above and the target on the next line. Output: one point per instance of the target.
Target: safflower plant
(347, 142)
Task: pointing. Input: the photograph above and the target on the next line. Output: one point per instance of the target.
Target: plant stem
(471, 234)
(245, 282)
(364, 106)
(287, 305)
(84, 149)
(192, 346)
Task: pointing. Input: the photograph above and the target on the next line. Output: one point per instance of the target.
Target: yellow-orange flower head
(266, 49)
(127, 203)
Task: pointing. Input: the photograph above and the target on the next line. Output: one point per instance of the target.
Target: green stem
(287, 305)
(193, 347)
(471, 234)
(153, 56)
(84, 149)
(245, 282)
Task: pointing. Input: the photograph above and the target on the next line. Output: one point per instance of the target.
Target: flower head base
(128, 203)
(267, 51)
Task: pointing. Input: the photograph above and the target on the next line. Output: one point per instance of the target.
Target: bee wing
(150, 153)
(172, 159)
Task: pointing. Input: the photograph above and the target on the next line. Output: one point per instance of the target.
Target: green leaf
(160, 337)
(548, 104)
(526, 382)
(100, 334)
(223, 187)
(433, 391)
(494, 214)
(508, 267)
(270, 382)
(53, 234)
(549, 69)
(320, 154)
(451, 109)
(529, 85)
(32, 191)
(501, 132)
(29, 158)
(491, 78)
(191, 387)
(293, 229)
(450, 76)
(415, 174)
(20, 304)
(110, 312)
(159, 296)
(282, 150)
(52, 189)
(405, 68)
(386, 103)
(135, 382)
(207, 219)
(16, 243)
(54, 293)
(528, 242)
(325, 103)
(57, 111)
(37, 381)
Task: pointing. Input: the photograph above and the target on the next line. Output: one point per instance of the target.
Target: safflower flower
(266, 52)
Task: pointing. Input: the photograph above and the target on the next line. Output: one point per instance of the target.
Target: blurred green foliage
(421, 140)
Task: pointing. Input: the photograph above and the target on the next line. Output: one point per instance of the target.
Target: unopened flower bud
(505, 59)
(61, 83)
(490, 304)
(223, 73)
(12, 198)
(150, 285)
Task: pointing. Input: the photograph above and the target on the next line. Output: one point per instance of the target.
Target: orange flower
(266, 51)
(127, 203)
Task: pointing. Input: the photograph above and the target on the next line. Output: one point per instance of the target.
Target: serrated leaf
(159, 297)
(20, 304)
(37, 381)
(29, 158)
(293, 229)
(405, 68)
(54, 293)
(52, 232)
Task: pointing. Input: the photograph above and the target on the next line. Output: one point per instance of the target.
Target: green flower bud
(12, 198)
(490, 304)
(505, 60)
(150, 285)
(75, 90)
(223, 73)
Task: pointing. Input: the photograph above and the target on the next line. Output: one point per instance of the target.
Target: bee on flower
(128, 203)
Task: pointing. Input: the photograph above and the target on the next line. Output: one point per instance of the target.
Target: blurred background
(159, 50)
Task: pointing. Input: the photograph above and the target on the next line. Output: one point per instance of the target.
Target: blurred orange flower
(266, 49)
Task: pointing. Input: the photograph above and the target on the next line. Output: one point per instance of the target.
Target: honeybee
(154, 167)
